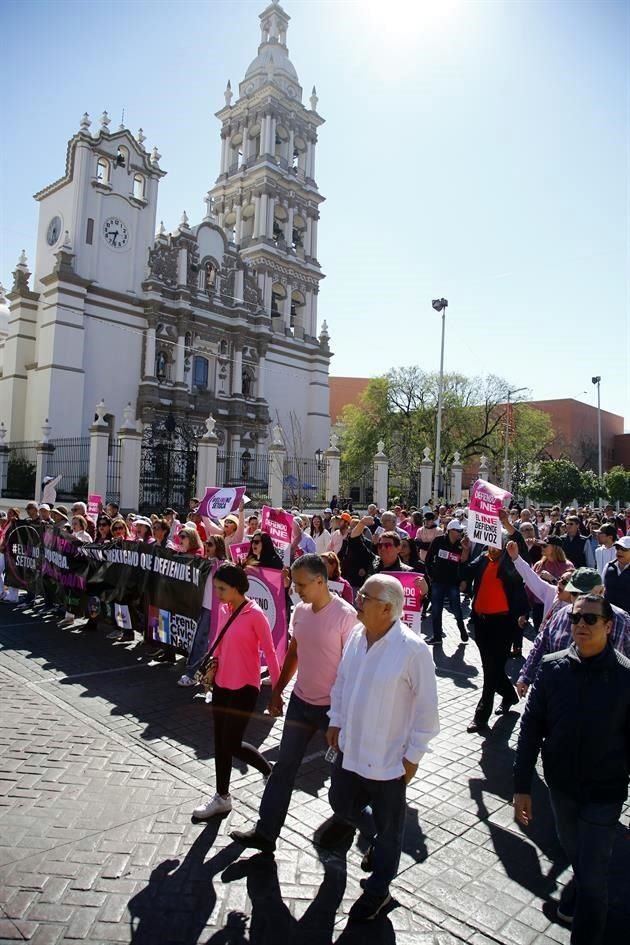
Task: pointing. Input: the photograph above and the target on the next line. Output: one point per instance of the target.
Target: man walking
(578, 713)
(617, 575)
(444, 567)
(383, 715)
(320, 627)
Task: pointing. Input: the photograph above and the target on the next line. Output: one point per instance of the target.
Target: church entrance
(168, 465)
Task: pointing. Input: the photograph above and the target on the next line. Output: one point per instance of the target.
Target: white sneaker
(185, 681)
(66, 622)
(213, 807)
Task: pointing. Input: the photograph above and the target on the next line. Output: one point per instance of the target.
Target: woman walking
(237, 682)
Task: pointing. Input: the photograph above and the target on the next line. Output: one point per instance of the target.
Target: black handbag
(208, 669)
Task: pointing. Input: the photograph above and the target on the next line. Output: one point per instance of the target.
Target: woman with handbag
(243, 630)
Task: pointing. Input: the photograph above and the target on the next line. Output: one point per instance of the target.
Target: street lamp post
(598, 380)
(506, 459)
(439, 305)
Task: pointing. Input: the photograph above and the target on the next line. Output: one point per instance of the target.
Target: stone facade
(218, 317)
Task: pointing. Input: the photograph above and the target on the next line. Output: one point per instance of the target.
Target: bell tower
(265, 197)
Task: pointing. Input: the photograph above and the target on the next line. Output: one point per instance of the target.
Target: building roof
(343, 391)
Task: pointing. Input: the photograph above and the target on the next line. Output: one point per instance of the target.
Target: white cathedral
(216, 318)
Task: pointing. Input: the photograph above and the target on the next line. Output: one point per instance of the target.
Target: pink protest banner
(486, 501)
(217, 502)
(266, 587)
(277, 523)
(94, 506)
(412, 609)
(239, 551)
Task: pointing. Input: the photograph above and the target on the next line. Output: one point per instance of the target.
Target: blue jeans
(587, 833)
(440, 593)
(349, 794)
(302, 721)
(200, 643)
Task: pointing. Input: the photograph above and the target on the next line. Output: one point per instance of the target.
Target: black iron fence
(356, 484)
(304, 483)
(70, 459)
(113, 471)
(21, 470)
(245, 469)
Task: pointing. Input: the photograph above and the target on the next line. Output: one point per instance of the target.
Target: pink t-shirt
(320, 639)
(239, 650)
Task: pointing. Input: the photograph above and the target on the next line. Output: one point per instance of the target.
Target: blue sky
(473, 149)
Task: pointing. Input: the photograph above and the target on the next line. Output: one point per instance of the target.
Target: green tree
(556, 480)
(591, 487)
(617, 482)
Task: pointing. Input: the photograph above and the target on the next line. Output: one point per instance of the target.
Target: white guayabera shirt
(384, 700)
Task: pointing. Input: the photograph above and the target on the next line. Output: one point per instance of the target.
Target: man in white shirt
(606, 551)
(383, 714)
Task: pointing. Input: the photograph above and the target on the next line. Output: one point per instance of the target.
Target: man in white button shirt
(383, 715)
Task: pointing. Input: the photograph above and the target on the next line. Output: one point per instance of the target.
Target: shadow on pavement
(455, 666)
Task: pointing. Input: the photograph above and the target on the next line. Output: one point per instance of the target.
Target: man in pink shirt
(320, 626)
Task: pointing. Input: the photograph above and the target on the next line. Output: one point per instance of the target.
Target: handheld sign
(217, 503)
(486, 501)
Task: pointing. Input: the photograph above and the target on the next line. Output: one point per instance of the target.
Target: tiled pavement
(102, 758)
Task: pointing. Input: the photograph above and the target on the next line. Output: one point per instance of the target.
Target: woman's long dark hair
(269, 557)
(321, 528)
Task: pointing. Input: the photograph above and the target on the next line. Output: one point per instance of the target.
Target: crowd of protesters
(567, 571)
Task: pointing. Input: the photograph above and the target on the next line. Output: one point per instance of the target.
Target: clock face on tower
(54, 231)
(115, 233)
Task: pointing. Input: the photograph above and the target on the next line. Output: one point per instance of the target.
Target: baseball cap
(326, 511)
(345, 517)
(553, 540)
(48, 479)
(583, 581)
(44, 506)
(141, 520)
(623, 543)
(455, 525)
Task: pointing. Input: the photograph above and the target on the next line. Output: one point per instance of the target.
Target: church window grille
(200, 372)
(89, 231)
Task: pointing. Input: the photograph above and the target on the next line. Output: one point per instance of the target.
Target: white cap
(456, 525)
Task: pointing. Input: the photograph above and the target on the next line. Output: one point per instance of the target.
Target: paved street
(102, 758)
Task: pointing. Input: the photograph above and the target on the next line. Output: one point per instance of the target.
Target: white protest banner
(218, 503)
(486, 501)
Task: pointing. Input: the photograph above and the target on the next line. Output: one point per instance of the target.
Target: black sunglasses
(589, 619)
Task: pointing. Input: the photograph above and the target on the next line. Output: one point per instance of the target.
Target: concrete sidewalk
(103, 757)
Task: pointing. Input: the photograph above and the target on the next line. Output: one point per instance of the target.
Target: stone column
(260, 379)
(180, 358)
(256, 227)
(426, 477)
(237, 224)
(44, 450)
(483, 468)
(207, 447)
(271, 209)
(237, 371)
(272, 135)
(233, 467)
(291, 147)
(314, 313)
(381, 476)
(268, 291)
(149, 352)
(99, 453)
(314, 239)
(262, 215)
(277, 457)
(130, 450)
(291, 214)
(4, 458)
(182, 266)
(308, 239)
(457, 470)
(332, 458)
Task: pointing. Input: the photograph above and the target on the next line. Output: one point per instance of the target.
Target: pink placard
(218, 503)
(488, 498)
(239, 551)
(277, 523)
(94, 506)
(412, 608)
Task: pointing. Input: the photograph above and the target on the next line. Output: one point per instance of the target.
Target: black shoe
(435, 641)
(336, 835)
(368, 907)
(127, 637)
(507, 704)
(367, 863)
(251, 838)
(463, 634)
(479, 727)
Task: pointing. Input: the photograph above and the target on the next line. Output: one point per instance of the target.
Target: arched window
(200, 372)
(122, 156)
(102, 170)
(138, 187)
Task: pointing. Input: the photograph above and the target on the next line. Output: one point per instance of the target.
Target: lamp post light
(506, 460)
(597, 380)
(440, 305)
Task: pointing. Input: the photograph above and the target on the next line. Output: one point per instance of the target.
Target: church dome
(274, 57)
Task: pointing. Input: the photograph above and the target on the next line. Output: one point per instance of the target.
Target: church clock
(115, 233)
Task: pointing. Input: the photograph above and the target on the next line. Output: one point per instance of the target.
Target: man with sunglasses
(578, 714)
(555, 634)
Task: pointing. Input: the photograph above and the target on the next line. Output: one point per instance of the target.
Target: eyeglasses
(363, 596)
(385, 544)
(589, 619)
(256, 541)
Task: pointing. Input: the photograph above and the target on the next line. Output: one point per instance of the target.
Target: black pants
(231, 711)
(493, 636)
